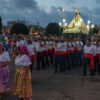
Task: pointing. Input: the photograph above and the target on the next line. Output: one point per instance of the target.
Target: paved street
(66, 86)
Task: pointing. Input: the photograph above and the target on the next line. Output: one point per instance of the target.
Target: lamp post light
(63, 9)
(61, 12)
(89, 22)
(63, 24)
(60, 23)
(64, 20)
(92, 26)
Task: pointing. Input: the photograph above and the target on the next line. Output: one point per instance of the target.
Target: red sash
(67, 52)
(99, 57)
(79, 50)
(59, 53)
(75, 48)
(70, 51)
(87, 55)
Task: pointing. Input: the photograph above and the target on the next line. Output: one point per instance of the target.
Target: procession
(39, 53)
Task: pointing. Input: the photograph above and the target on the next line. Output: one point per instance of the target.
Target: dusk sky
(45, 11)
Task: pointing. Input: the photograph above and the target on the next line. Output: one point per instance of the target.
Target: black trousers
(97, 65)
(50, 54)
(45, 58)
(40, 60)
(80, 58)
(87, 62)
(21, 99)
(76, 55)
(70, 60)
(59, 63)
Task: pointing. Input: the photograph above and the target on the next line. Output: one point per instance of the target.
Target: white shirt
(79, 45)
(17, 43)
(90, 49)
(6, 40)
(22, 42)
(34, 43)
(31, 49)
(59, 46)
(50, 44)
(70, 46)
(22, 61)
(46, 47)
(38, 47)
(64, 48)
(93, 43)
(97, 49)
(4, 57)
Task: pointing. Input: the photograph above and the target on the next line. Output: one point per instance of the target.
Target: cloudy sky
(45, 11)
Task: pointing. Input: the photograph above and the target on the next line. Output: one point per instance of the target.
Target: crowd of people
(62, 53)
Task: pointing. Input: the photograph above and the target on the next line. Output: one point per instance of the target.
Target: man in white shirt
(89, 53)
(46, 52)
(70, 57)
(32, 53)
(60, 53)
(39, 58)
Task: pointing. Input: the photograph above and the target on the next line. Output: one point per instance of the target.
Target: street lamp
(89, 22)
(64, 20)
(63, 9)
(92, 26)
(60, 23)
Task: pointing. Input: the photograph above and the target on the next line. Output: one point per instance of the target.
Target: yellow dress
(21, 87)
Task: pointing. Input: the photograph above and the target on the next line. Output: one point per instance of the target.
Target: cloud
(97, 1)
(24, 3)
(30, 11)
(18, 9)
(69, 1)
(97, 11)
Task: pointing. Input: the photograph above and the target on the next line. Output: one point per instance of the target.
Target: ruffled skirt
(5, 83)
(22, 88)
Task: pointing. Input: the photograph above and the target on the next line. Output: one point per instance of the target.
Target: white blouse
(22, 61)
(4, 57)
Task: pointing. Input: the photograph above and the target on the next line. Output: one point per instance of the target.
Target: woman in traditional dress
(4, 71)
(22, 81)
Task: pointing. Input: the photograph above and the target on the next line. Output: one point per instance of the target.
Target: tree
(53, 29)
(0, 25)
(19, 28)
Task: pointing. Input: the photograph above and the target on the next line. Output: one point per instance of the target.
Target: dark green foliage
(19, 28)
(53, 29)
